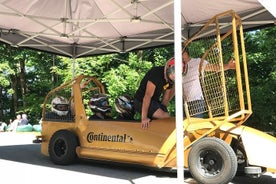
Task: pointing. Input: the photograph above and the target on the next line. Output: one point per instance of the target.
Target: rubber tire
(62, 147)
(222, 161)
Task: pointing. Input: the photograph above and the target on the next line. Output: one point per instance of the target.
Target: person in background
(100, 107)
(13, 125)
(192, 91)
(24, 120)
(3, 126)
(154, 93)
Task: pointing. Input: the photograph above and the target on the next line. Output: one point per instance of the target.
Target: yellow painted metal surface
(260, 147)
(127, 142)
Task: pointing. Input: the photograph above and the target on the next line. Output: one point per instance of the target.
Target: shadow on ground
(30, 154)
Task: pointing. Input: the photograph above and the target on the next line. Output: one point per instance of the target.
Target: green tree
(120, 73)
(25, 81)
(261, 58)
(29, 75)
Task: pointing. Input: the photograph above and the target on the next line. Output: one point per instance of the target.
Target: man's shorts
(154, 105)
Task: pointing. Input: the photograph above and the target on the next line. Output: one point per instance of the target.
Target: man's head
(170, 70)
(24, 116)
(18, 116)
(185, 55)
(170, 66)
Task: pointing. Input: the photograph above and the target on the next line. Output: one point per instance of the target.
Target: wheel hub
(211, 162)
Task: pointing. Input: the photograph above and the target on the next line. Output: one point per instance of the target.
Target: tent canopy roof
(78, 28)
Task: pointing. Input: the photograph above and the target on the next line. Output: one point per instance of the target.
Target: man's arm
(168, 95)
(216, 67)
(146, 103)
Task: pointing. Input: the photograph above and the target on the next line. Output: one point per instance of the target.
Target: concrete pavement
(21, 162)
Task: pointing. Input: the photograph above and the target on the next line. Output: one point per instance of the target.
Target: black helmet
(99, 103)
(124, 106)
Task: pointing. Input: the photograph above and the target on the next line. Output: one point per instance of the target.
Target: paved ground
(21, 162)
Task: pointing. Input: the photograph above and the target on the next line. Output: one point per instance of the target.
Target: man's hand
(145, 123)
(231, 64)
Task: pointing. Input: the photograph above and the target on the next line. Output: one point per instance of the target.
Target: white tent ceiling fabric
(78, 28)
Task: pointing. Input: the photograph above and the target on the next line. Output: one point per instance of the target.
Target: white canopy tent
(78, 28)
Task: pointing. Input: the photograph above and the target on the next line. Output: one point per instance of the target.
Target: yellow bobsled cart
(216, 146)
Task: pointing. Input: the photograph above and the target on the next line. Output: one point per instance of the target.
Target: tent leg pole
(178, 92)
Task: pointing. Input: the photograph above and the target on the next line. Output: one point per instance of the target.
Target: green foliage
(261, 59)
(125, 78)
(122, 73)
(37, 80)
(33, 107)
(6, 71)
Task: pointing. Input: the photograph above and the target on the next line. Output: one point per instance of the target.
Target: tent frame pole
(178, 92)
